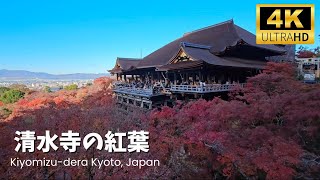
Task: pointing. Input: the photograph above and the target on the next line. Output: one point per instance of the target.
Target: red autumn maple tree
(262, 132)
(304, 52)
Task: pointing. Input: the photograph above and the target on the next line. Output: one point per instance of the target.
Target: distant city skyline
(8, 75)
(63, 37)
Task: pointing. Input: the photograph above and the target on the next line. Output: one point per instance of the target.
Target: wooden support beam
(167, 79)
(187, 78)
(200, 76)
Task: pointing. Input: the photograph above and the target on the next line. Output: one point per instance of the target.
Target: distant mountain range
(21, 74)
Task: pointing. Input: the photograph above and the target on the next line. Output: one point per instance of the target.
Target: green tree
(3, 90)
(47, 89)
(11, 96)
(71, 87)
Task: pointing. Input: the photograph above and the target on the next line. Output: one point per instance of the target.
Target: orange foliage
(105, 81)
(39, 102)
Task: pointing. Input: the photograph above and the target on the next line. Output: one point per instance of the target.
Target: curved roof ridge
(194, 45)
(127, 63)
(206, 56)
(128, 59)
(250, 38)
(208, 27)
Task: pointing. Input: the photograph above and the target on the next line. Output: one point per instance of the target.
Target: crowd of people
(134, 84)
(159, 86)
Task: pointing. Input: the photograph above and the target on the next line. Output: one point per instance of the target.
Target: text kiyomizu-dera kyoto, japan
(201, 64)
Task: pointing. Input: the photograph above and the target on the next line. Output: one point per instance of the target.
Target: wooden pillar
(167, 78)
(200, 75)
(193, 78)
(125, 78)
(117, 76)
(175, 78)
(158, 76)
(187, 77)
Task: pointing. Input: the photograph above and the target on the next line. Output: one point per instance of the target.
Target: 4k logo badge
(285, 24)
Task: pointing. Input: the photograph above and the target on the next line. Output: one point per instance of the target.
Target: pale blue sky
(87, 36)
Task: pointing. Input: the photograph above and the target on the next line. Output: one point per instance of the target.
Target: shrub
(47, 89)
(71, 87)
(5, 112)
(11, 96)
(3, 90)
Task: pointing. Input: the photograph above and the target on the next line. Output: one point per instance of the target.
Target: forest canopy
(268, 130)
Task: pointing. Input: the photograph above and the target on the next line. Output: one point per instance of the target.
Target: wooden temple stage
(203, 63)
(148, 98)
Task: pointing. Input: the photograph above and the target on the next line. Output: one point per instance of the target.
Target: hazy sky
(86, 36)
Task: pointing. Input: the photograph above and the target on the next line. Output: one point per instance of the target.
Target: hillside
(22, 74)
(268, 130)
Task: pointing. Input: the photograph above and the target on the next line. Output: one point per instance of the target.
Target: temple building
(308, 69)
(202, 63)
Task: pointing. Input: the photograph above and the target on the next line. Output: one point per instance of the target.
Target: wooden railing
(147, 92)
(205, 88)
(134, 91)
